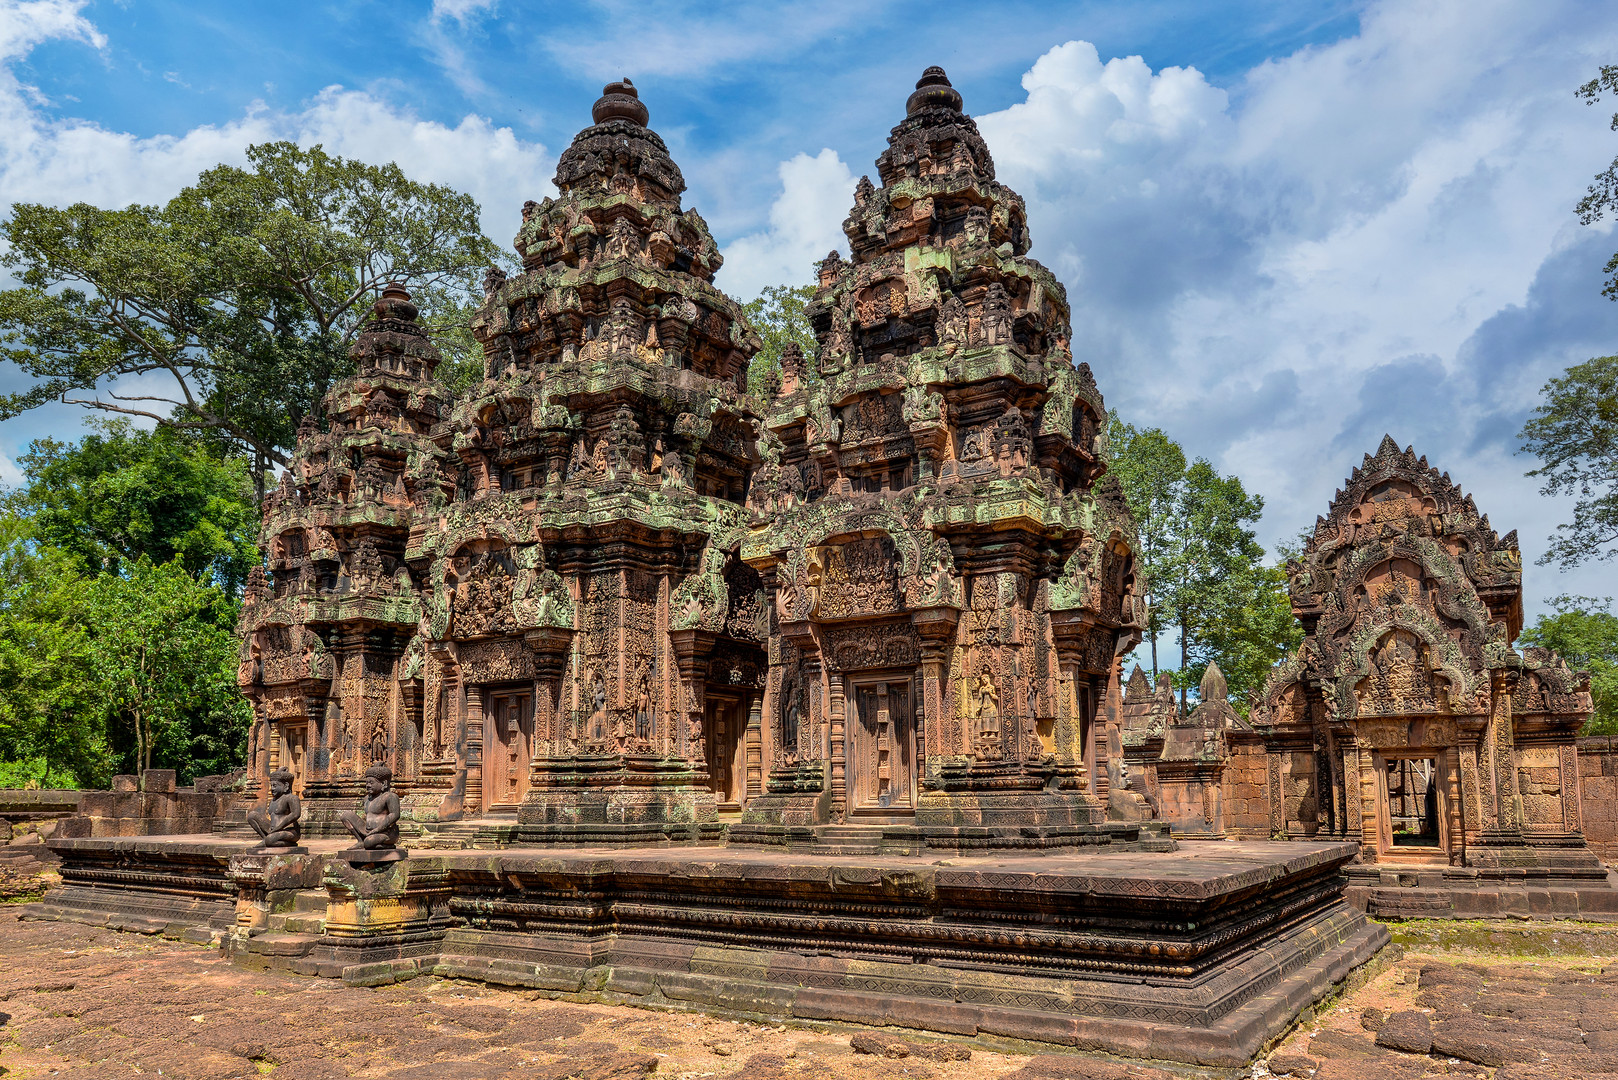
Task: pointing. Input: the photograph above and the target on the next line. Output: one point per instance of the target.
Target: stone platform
(1201, 956)
(1588, 893)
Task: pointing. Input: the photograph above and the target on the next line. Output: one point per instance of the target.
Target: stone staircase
(475, 833)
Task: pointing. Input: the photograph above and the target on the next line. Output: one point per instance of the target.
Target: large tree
(51, 724)
(1575, 429)
(1585, 631)
(228, 310)
(1574, 432)
(1602, 196)
(778, 316)
(120, 494)
(1150, 467)
(1205, 577)
(164, 657)
(121, 560)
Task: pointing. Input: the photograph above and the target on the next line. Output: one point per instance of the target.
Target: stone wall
(1247, 803)
(1598, 783)
(27, 819)
(157, 807)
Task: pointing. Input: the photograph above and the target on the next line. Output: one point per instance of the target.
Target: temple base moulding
(1200, 958)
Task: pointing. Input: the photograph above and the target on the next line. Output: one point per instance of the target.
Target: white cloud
(1371, 235)
(25, 25)
(461, 11)
(446, 48)
(805, 223)
(64, 161)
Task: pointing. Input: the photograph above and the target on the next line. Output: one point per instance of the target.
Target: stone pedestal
(266, 881)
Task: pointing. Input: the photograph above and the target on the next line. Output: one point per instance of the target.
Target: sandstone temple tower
(609, 596)
(950, 583)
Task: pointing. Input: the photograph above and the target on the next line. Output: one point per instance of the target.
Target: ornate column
(1366, 798)
(936, 629)
(836, 737)
(691, 650)
(1572, 795)
(755, 745)
(549, 646)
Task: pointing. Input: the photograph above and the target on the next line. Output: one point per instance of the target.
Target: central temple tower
(950, 571)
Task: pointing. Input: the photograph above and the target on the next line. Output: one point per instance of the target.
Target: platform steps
(290, 934)
(307, 915)
(864, 840)
(477, 833)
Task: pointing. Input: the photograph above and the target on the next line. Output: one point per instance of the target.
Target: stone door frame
(735, 706)
(1381, 757)
(296, 763)
(495, 776)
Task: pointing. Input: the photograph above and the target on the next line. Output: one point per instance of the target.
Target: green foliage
(1150, 467)
(777, 314)
(120, 562)
(1602, 195)
(165, 658)
(235, 302)
(1203, 567)
(1585, 632)
(120, 495)
(1574, 432)
(1248, 633)
(51, 725)
(450, 325)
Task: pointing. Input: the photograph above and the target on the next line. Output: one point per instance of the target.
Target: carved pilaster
(691, 651)
(474, 749)
(1278, 820)
(1505, 794)
(1572, 794)
(755, 746)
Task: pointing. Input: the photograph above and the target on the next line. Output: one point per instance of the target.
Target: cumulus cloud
(1374, 235)
(805, 223)
(64, 161)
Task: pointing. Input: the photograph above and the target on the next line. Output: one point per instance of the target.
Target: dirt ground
(81, 1002)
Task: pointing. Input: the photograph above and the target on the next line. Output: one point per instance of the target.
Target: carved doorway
(508, 733)
(294, 750)
(1412, 800)
(882, 748)
(724, 728)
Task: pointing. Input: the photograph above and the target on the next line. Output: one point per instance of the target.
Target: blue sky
(1285, 227)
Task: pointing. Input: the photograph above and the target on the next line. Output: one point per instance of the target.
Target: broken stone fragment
(1292, 1065)
(1408, 1030)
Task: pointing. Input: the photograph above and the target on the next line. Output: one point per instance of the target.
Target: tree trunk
(1184, 659)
